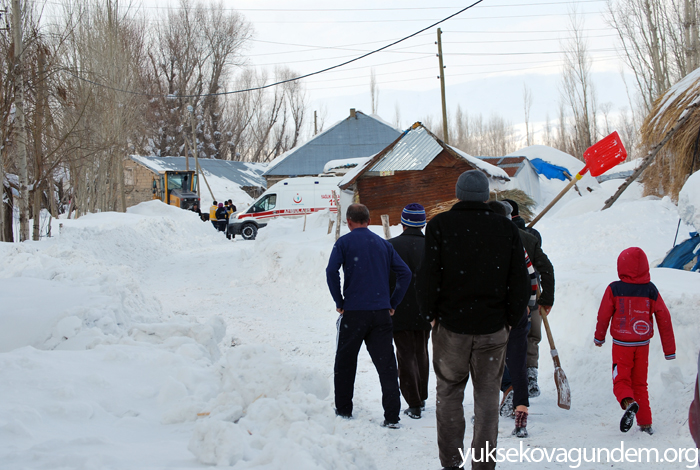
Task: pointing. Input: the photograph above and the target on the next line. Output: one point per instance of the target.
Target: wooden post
(338, 215)
(385, 224)
(304, 230)
(445, 137)
(330, 226)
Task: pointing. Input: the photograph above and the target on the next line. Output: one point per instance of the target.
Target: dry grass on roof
(525, 203)
(674, 163)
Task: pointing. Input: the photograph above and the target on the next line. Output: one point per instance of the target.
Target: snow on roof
(352, 174)
(344, 163)
(550, 155)
(241, 173)
(489, 169)
(690, 84)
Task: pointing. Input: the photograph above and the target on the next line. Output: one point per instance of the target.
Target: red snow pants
(630, 366)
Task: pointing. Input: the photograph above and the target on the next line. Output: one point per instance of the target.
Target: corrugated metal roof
(241, 173)
(350, 138)
(416, 149)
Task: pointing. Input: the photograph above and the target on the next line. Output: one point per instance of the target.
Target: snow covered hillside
(147, 340)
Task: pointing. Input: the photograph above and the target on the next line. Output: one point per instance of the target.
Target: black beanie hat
(514, 205)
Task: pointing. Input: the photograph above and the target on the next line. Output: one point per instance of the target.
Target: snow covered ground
(147, 340)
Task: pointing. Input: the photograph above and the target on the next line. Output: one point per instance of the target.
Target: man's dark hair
(358, 213)
(214, 203)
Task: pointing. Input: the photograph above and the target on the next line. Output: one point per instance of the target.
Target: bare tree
(576, 86)
(373, 90)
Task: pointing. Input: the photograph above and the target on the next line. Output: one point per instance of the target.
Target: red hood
(633, 266)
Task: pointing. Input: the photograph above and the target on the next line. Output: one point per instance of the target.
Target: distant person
(196, 209)
(212, 214)
(231, 208)
(630, 304)
(474, 283)
(515, 403)
(411, 329)
(532, 241)
(221, 218)
(365, 305)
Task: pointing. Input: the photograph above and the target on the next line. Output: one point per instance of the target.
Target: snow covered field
(147, 340)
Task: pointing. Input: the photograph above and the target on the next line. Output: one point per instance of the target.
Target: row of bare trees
(87, 82)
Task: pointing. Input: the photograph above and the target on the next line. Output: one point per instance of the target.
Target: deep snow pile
(147, 340)
(100, 375)
(689, 201)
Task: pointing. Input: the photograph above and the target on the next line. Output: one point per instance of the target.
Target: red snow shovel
(599, 157)
(563, 390)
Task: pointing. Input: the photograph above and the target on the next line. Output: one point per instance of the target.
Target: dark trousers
(534, 337)
(456, 357)
(374, 327)
(414, 365)
(516, 363)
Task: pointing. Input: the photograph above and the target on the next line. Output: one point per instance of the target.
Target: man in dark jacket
(532, 241)
(411, 329)
(221, 217)
(366, 305)
(473, 283)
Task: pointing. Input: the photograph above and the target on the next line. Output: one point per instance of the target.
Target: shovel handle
(543, 314)
(573, 181)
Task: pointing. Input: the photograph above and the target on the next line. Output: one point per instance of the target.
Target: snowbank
(689, 201)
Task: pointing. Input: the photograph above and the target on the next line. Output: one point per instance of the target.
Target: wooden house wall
(142, 177)
(432, 185)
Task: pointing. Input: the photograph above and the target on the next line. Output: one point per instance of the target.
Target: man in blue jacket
(366, 305)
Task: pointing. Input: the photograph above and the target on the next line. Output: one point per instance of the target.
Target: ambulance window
(266, 204)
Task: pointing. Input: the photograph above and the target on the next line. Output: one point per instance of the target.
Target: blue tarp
(684, 253)
(549, 170)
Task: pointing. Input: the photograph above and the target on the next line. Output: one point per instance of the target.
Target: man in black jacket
(532, 241)
(411, 329)
(474, 283)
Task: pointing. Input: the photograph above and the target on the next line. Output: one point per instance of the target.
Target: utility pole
(194, 149)
(442, 88)
(21, 140)
(315, 123)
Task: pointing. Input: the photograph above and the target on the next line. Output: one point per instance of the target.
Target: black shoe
(422, 405)
(387, 424)
(520, 432)
(413, 412)
(628, 417)
(344, 416)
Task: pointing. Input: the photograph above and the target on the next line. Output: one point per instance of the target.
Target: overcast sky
(497, 43)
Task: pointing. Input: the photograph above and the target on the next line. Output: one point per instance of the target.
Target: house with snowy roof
(417, 167)
(356, 136)
(240, 181)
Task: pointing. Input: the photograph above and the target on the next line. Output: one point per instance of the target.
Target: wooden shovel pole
(573, 181)
(543, 314)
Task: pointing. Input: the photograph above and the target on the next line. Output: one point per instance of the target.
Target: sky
(491, 52)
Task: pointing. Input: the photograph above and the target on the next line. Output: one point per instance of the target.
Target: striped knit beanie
(413, 215)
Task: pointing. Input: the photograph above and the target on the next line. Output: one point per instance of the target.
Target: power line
(326, 10)
(290, 79)
(475, 18)
(388, 82)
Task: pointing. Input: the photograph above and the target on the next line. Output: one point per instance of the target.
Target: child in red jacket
(630, 303)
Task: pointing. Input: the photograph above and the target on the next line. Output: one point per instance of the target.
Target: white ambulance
(291, 197)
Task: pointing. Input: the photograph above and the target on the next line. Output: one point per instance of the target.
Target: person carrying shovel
(630, 303)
